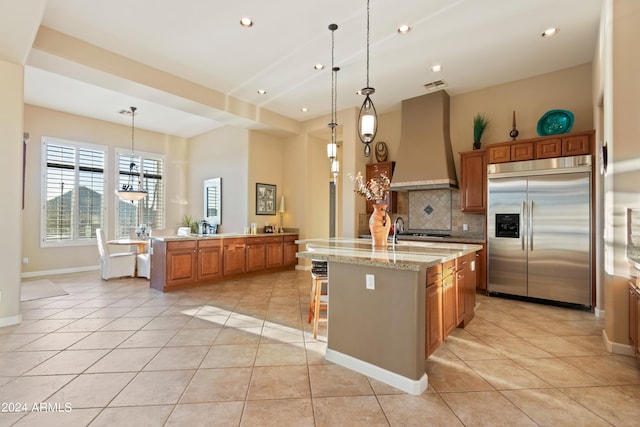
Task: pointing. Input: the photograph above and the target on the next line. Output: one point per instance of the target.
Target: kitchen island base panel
(415, 387)
(384, 326)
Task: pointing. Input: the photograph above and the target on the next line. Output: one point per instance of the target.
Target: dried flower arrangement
(377, 188)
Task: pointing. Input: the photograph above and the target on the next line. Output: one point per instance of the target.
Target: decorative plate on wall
(554, 122)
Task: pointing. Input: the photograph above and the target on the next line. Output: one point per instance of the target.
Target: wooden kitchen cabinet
(256, 254)
(499, 154)
(181, 262)
(576, 145)
(209, 259)
(433, 310)
(481, 267)
(449, 300)
(473, 177)
(545, 147)
(234, 256)
(466, 268)
(521, 151)
(376, 169)
(449, 305)
(289, 250)
(549, 148)
(634, 327)
(177, 264)
(275, 246)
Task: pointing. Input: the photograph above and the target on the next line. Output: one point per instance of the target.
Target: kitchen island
(377, 305)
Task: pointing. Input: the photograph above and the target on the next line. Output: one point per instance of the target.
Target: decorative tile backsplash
(430, 210)
(476, 223)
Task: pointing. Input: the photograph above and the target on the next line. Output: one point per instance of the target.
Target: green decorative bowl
(554, 122)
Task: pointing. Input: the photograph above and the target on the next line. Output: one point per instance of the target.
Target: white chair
(143, 265)
(117, 264)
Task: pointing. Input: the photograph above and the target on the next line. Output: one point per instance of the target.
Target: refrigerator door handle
(523, 209)
(531, 226)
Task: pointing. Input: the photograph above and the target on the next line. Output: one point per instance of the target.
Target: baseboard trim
(303, 267)
(415, 387)
(60, 271)
(12, 320)
(599, 313)
(615, 347)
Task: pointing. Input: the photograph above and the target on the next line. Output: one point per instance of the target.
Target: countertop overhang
(405, 255)
(218, 236)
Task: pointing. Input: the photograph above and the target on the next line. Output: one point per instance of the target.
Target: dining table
(140, 244)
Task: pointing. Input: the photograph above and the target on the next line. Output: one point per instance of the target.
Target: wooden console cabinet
(177, 264)
(289, 250)
(181, 262)
(209, 259)
(256, 254)
(275, 251)
(234, 256)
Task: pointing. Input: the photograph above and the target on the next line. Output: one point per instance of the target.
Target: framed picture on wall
(265, 199)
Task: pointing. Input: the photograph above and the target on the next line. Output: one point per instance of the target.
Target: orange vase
(379, 225)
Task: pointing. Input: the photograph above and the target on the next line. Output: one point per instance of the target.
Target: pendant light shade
(128, 192)
(332, 147)
(368, 117)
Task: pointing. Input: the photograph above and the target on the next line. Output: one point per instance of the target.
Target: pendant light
(367, 118)
(128, 192)
(332, 147)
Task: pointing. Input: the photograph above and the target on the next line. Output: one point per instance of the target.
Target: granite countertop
(217, 236)
(476, 238)
(405, 255)
(633, 256)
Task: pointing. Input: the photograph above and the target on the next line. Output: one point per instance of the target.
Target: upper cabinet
(473, 185)
(377, 169)
(473, 164)
(564, 145)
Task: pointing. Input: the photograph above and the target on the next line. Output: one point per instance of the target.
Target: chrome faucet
(398, 224)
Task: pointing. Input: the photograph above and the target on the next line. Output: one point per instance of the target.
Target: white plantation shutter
(72, 191)
(150, 210)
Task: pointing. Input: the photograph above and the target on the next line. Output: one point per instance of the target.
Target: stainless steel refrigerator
(539, 229)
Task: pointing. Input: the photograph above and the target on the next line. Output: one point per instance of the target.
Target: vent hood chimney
(425, 157)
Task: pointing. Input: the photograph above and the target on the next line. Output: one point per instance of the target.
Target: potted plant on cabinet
(480, 123)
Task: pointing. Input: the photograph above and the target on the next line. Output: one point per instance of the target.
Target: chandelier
(367, 118)
(128, 192)
(332, 147)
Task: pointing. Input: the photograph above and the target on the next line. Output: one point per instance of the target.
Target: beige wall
(11, 128)
(568, 89)
(265, 166)
(40, 122)
(224, 153)
(621, 128)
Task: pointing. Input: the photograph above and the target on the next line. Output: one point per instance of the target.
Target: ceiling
(478, 43)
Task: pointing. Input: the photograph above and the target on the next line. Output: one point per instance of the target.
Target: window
(73, 202)
(150, 210)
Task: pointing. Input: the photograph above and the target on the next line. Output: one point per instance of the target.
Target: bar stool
(319, 293)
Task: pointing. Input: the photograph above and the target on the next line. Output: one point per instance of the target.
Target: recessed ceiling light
(262, 92)
(436, 68)
(304, 109)
(404, 29)
(318, 67)
(550, 32)
(246, 22)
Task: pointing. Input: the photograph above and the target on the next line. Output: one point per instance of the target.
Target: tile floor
(241, 353)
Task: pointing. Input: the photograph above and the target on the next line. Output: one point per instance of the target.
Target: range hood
(425, 157)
